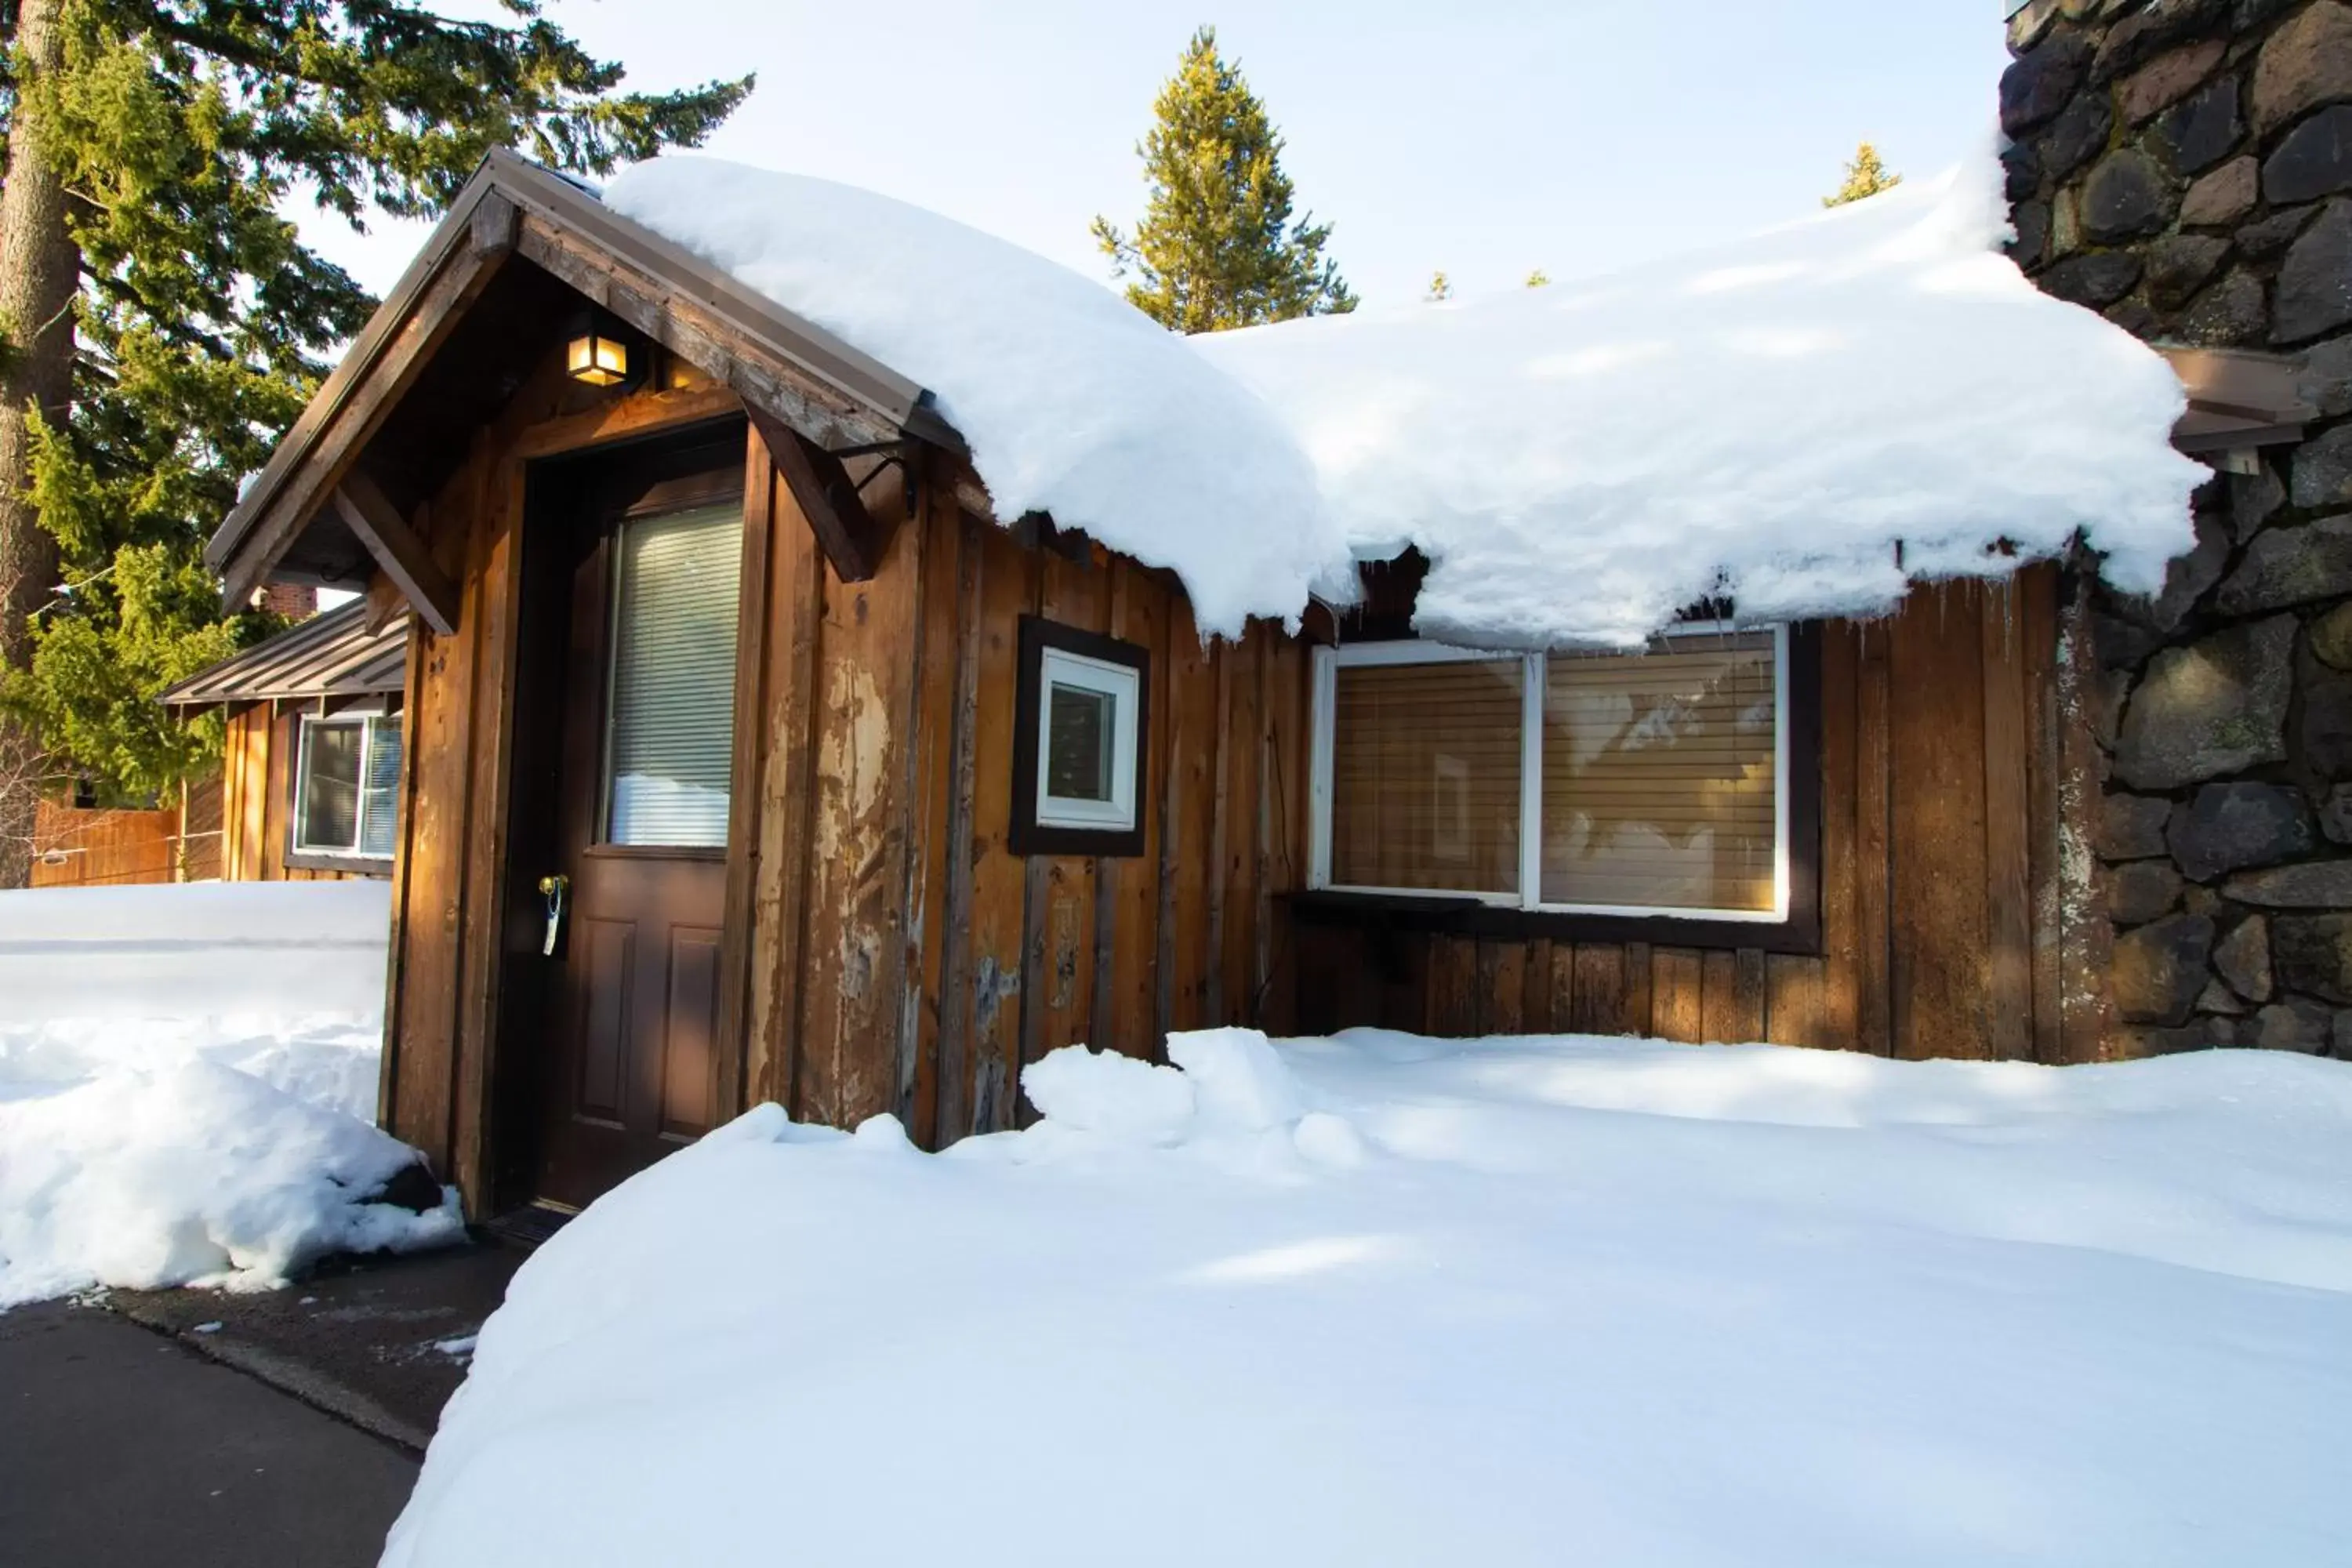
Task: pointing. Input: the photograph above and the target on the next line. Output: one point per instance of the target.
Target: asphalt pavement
(122, 1446)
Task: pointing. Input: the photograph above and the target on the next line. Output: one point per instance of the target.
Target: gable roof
(782, 366)
(332, 654)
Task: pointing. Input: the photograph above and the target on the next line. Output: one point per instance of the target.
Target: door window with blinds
(347, 786)
(670, 736)
(1652, 782)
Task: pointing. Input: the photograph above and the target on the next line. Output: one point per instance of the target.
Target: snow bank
(190, 1173)
(1768, 420)
(187, 1084)
(1386, 1300)
(205, 948)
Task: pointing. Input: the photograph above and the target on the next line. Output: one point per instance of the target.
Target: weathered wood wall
(890, 954)
(1949, 924)
(257, 798)
(905, 960)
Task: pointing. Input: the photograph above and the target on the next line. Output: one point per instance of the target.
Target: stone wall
(2185, 167)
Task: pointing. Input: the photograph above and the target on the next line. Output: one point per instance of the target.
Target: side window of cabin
(1647, 784)
(347, 786)
(1078, 764)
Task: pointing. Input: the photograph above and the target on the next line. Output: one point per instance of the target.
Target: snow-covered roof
(1801, 422)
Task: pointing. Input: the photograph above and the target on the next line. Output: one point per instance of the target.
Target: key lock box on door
(554, 889)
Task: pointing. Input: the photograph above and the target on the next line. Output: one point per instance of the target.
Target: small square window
(1078, 760)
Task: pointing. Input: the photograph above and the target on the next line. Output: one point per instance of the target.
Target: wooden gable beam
(852, 538)
(392, 353)
(376, 523)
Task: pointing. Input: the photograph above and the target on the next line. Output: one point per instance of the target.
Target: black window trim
(1026, 836)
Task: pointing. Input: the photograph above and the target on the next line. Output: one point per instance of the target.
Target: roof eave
(476, 224)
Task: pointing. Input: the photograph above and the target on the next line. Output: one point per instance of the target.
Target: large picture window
(347, 786)
(1648, 784)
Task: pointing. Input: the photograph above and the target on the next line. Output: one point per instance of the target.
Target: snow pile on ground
(1387, 1301)
(1769, 420)
(187, 1085)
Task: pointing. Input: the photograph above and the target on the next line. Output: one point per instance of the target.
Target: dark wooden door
(642, 803)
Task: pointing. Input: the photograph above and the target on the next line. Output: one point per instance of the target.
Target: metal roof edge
(302, 660)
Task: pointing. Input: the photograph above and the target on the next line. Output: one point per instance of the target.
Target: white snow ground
(187, 1085)
(1769, 420)
(1386, 1300)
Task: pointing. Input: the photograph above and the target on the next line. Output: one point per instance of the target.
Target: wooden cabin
(310, 757)
(721, 777)
(748, 756)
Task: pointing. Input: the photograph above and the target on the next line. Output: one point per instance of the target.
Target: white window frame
(367, 721)
(1123, 684)
(1329, 662)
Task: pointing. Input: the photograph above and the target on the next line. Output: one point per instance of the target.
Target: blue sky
(1482, 138)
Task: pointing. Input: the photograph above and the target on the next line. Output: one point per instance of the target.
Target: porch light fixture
(596, 354)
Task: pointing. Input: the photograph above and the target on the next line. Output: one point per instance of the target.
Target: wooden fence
(78, 848)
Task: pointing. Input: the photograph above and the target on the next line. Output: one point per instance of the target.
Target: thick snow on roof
(1073, 401)
(1765, 420)
(1769, 420)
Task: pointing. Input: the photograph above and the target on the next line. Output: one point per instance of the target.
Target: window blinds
(1426, 776)
(380, 787)
(1658, 776)
(671, 744)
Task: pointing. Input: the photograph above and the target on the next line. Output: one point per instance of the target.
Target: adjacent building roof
(332, 654)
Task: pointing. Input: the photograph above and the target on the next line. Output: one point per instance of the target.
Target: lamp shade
(594, 354)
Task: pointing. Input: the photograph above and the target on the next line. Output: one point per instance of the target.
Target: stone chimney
(2185, 167)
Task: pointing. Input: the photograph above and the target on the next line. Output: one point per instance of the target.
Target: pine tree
(1539, 278)
(161, 325)
(1865, 176)
(1217, 246)
(1440, 289)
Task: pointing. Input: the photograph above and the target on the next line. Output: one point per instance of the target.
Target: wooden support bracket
(376, 523)
(850, 535)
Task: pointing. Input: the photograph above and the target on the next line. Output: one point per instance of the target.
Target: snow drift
(1805, 421)
(187, 1086)
(1386, 1300)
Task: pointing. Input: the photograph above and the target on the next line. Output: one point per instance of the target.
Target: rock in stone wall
(2185, 168)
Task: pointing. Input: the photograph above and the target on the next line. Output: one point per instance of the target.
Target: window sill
(1456, 915)
(351, 865)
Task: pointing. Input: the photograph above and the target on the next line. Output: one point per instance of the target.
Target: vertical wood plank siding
(893, 954)
(1951, 764)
